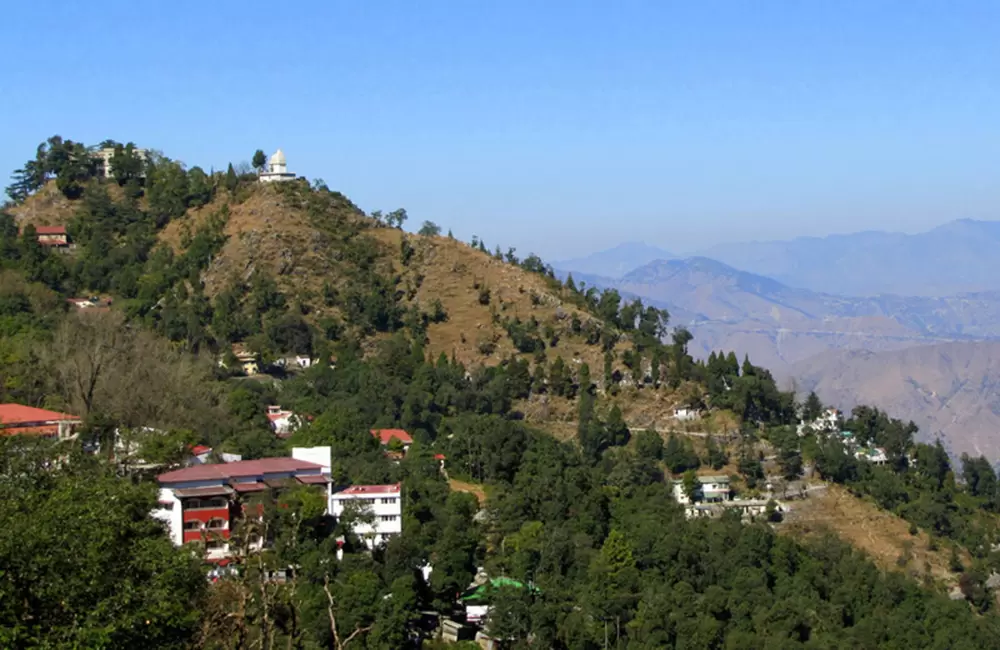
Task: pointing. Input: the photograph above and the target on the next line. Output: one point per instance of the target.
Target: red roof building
(386, 436)
(201, 503)
(52, 235)
(27, 420)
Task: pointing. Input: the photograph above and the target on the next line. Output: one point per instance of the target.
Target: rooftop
(386, 435)
(371, 489)
(13, 416)
(50, 230)
(247, 469)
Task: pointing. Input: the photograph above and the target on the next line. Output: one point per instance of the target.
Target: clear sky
(559, 127)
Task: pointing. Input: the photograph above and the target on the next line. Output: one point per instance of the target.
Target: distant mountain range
(920, 337)
(615, 262)
(957, 257)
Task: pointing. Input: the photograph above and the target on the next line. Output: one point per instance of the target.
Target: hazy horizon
(555, 128)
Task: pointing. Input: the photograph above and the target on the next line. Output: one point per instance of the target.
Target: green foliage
(429, 229)
(83, 563)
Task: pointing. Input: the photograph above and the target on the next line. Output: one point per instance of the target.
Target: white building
(685, 414)
(104, 156)
(380, 507)
(277, 169)
(283, 423)
(873, 455)
(712, 489)
(829, 421)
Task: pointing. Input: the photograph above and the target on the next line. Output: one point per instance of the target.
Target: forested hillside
(454, 343)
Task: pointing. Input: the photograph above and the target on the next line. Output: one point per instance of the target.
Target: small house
(711, 489)
(52, 236)
(394, 440)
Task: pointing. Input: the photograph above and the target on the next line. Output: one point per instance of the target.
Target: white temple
(277, 169)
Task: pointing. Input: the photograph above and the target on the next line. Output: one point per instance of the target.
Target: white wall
(319, 455)
(170, 515)
(380, 505)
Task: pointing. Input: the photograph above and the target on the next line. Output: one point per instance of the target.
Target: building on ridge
(277, 169)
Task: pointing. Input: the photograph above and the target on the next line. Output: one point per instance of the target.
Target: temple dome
(278, 158)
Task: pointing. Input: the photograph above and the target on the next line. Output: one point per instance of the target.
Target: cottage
(17, 419)
(394, 440)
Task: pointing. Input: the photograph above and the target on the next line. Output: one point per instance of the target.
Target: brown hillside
(880, 534)
(46, 207)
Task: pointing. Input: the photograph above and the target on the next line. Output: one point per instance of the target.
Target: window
(216, 524)
(215, 544)
(192, 525)
(387, 518)
(166, 505)
(388, 502)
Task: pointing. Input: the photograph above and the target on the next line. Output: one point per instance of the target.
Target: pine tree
(232, 181)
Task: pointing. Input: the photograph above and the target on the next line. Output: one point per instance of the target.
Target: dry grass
(882, 535)
(474, 489)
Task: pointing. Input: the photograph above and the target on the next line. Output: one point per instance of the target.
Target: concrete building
(17, 419)
(380, 509)
(104, 156)
(277, 169)
(283, 423)
(711, 489)
(201, 504)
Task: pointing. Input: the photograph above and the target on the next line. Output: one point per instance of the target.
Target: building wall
(169, 513)
(386, 509)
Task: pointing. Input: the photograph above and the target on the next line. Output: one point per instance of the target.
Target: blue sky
(558, 127)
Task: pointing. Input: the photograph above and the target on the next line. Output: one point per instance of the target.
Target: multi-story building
(379, 510)
(202, 503)
(104, 156)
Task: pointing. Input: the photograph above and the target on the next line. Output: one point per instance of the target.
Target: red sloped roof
(14, 414)
(50, 230)
(238, 469)
(385, 435)
(198, 450)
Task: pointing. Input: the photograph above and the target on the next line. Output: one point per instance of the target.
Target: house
(296, 362)
(711, 489)
(246, 359)
(873, 455)
(393, 438)
(202, 455)
(54, 236)
(749, 509)
(379, 507)
(480, 594)
(17, 419)
(283, 423)
(202, 503)
(685, 413)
